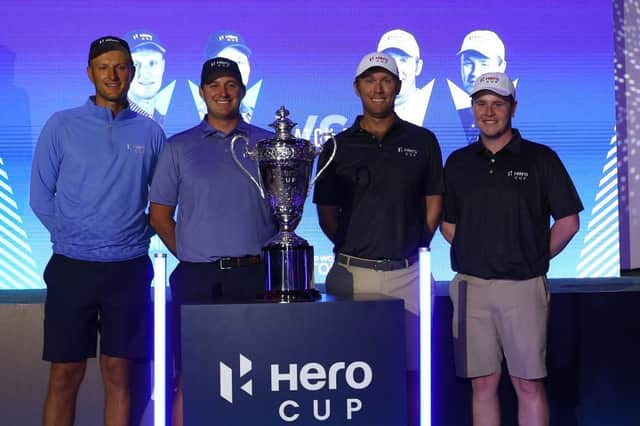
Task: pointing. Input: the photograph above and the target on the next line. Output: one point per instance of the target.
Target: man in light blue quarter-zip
(90, 177)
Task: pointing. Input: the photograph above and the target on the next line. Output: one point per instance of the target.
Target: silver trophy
(285, 165)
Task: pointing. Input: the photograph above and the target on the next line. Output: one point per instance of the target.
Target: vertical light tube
(425, 336)
(159, 343)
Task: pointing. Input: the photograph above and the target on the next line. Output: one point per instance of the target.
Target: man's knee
(66, 377)
(485, 387)
(115, 371)
(528, 388)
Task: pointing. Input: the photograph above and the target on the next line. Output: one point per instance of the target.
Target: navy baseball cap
(139, 39)
(106, 44)
(223, 39)
(217, 67)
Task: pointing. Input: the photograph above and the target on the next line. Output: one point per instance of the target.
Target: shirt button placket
(492, 160)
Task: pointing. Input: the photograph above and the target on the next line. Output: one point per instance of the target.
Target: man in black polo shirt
(381, 197)
(500, 194)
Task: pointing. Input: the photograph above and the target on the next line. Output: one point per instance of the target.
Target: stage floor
(593, 355)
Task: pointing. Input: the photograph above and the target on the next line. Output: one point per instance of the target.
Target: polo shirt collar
(355, 129)
(514, 145)
(206, 130)
(105, 113)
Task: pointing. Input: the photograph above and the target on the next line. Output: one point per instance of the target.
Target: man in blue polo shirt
(500, 195)
(231, 45)
(222, 220)
(91, 171)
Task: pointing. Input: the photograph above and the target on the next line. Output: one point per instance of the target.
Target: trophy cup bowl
(285, 164)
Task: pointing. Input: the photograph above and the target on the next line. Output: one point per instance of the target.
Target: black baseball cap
(106, 44)
(217, 67)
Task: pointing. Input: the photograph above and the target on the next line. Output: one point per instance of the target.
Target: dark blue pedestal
(327, 363)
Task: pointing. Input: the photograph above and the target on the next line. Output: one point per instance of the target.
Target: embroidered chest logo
(408, 152)
(138, 149)
(517, 175)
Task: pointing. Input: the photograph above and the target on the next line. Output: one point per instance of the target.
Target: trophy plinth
(289, 264)
(285, 164)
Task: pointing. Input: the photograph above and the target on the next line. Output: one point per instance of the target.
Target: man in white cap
(412, 102)
(500, 195)
(482, 51)
(145, 96)
(380, 199)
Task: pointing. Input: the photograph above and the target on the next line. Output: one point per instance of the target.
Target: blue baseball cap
(223, 39)
(138, 39)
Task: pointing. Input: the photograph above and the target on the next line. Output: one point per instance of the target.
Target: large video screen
(303, 55)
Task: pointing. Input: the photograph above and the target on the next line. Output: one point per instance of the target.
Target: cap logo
(229, 37)
(143, 37)
(220, 64)
(380, 59)
(489, 79)
(108, 40)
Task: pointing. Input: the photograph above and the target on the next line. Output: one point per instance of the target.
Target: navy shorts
(85, 298)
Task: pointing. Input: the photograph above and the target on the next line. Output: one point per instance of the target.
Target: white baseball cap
(377, 60)
(484, 42)
(496, 82)
(401, 40)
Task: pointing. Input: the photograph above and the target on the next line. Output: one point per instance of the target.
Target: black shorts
(206, 283)
(85, 298)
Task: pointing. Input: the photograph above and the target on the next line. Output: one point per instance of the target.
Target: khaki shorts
(496, 317)
(343, 280)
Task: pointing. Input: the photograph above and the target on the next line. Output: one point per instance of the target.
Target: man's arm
(562, 231)
(161, 218)
(434, 214)
(44, 177)
(448, 231)
(328, 218)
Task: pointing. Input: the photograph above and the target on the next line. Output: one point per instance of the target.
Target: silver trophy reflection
(285, 165)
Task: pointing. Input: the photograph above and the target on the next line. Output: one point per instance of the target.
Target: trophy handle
(333, 154)
(239, 163)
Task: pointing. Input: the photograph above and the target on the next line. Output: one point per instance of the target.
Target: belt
(376, 264)
(237, 262)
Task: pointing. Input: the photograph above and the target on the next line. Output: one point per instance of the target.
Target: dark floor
(593, 358)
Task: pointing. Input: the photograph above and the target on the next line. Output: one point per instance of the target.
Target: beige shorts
(496, 318)
(343, 280)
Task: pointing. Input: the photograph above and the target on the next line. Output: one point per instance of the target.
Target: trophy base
(308, 295)
(289, 273)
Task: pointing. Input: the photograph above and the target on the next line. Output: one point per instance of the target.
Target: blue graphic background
(306, 54)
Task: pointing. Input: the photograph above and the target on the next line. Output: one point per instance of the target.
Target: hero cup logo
(220, 63)
(229, 38)
(379, 59)
(518, 175)
(143, 37)
(108, 40)
(489, 79)
(310, 377)
(226, 379)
